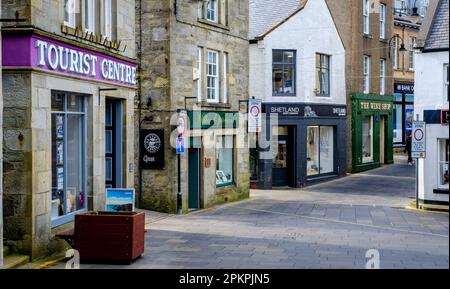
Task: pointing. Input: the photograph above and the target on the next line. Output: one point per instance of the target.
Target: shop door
(113, 144)
(382, 139)
(283, 169)
(194, 172)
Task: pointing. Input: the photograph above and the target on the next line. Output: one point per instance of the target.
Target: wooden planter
(109, 236)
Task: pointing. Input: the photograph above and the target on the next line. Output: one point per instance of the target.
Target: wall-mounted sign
(418, 145)
(305, 110)
(444, 117)
(180, 145)
(375, 105)
(404, 88)
(152, 149)
(36, 51)
(119, 200)
(254, 115)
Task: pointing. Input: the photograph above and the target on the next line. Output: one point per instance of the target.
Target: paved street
(330, 225)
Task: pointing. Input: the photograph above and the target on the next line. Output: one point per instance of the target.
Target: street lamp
(402, 45)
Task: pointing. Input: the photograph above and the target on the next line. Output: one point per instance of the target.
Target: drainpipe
(1, 153)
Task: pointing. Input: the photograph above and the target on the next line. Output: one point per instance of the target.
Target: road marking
(344, 222)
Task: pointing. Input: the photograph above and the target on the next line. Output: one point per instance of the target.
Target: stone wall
(1, 152)
(17, 178)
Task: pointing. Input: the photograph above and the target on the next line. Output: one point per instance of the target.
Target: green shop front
(372, 131)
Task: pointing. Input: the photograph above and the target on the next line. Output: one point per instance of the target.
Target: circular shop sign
(152, 143)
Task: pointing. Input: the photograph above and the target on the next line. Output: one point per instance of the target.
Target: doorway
(382, 139)
(113, 144)
(194, 173)
(283, 169)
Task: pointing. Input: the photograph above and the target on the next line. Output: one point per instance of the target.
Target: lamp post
(402, 45)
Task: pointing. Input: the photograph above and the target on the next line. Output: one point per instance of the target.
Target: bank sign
(39, 52)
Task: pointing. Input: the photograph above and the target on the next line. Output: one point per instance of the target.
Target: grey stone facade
(1, 153)
(168, 36)
(27, 130)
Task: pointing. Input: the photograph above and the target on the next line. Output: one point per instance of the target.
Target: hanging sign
(254, 115)
(418, 145)
(152, 149)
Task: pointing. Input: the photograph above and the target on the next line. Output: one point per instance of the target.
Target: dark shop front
(301, 145)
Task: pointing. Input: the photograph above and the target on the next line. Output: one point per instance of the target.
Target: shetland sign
(39, 52)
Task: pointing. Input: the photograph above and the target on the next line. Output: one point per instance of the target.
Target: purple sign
(21, 50)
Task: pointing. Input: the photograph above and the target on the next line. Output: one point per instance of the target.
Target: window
(323, 74)
(107, 19)
(383, 21)
(366, 16)
(367, 139)
(225, 78)
(320, 150)
(212, 10)
(212, 76)
(366, 72)
(200, 73)
(395, 47)
(412, 44)
(90, 16)
(224, 160)
(398, 123)
(283, 72)
(382, 76)
(70, 12)
(443, 147)
(68, 157)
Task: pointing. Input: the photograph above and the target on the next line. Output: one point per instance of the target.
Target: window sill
(384, 40)
(323, 95)
(284, 95)
(368, 36)
(214, 24)
(215, 104)
(219, 186)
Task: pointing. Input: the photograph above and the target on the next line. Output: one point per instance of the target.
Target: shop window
(367, 139)
(398, 123)
(443, 163)
(320, 150)
(323, 74)
(283, 72)
(68, 156)
(225, 160)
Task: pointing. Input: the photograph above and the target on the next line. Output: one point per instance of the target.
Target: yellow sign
(376, 105)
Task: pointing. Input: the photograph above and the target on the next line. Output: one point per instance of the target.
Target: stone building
(408, 18)
(1, 152)
(69, 79)
(193, 56)
(366, 27)
(297, 69)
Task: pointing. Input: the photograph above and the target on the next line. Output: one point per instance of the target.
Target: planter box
(109, 236)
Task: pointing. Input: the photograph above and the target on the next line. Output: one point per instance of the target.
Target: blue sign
(180, 145)
(120, 200)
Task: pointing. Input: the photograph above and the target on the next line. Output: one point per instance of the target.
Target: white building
(297, 68)
(431, 105)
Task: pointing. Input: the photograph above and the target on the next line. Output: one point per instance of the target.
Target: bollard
(179, 203)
